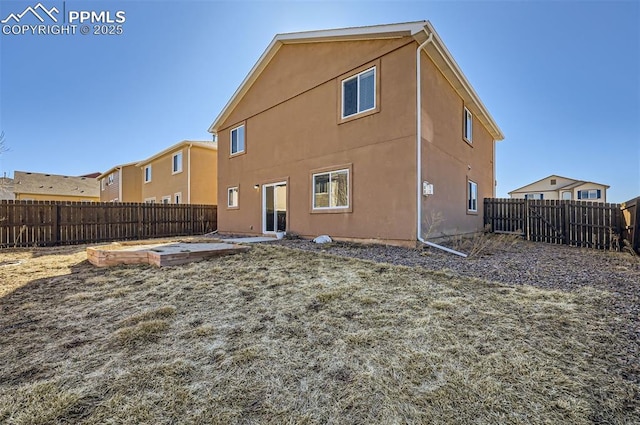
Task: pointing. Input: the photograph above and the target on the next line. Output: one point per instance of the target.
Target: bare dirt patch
(277, 335)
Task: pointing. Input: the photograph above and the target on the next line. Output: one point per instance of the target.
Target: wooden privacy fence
(45, 223)
(576, 223)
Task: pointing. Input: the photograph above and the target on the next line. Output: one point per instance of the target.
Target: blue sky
(561, 78)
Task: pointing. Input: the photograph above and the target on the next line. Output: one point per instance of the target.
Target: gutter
(419, 153)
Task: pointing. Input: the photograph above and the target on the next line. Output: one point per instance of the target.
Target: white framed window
(472, 196)
(468, 126)
(147, 174)
(359, 93)
(177, 197)
(232, 197)
(176, 163)
(534, 196)
(237, 140)
(102, 184)
(110, 179)
(566, 196)
(166, 199)
(589, 194)
(150, 200)
(331, 190)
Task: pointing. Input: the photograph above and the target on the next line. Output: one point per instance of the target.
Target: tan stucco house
(185, 173)
(360, 133)
(563, 188)
(54, 187)
(122, 183)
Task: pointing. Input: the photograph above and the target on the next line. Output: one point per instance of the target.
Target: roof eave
(445, 62)
(342, 34)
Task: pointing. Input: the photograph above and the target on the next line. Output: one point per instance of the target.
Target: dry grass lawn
(277, 336)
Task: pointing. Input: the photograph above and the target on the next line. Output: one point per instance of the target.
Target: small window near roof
(110, 179)
(553, 182)
(237, 140)
(147, 174)
(468, 126)
(177, 163)
(359, 93)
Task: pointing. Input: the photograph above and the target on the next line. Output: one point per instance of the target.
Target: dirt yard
(280, 335)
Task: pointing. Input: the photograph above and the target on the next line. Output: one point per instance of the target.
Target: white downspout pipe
(419, 152)
(120, 178)
(189, 173)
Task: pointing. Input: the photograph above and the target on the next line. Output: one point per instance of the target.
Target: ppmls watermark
(40, 20)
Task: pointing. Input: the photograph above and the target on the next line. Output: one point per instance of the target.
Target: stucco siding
(299, 130)
(204, 172)
(448, 161)
(131, 184)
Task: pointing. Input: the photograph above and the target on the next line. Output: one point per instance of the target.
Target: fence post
(566, 221)
(56, 224)
(525, 217)
(636, 228)
(139, 226)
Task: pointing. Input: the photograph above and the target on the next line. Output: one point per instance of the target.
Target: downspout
(189, 173)
(419, 152)
(120, 184)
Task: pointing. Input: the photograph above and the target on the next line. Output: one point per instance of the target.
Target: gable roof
(115, 168)
(197, 143)
(55, 184)
(574, 183)
(420, 31)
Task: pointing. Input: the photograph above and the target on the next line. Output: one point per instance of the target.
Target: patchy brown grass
(282, 336)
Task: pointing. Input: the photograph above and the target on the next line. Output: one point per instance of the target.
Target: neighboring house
(185, 173)
(365, 133)
(558, 187)
(122, 183)
(6, 188)
(53, 187)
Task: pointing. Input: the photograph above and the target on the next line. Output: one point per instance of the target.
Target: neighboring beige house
(185, 173)
(6, 188)
(558, 187)
(54, 187)
(122, 183)
(362, 133)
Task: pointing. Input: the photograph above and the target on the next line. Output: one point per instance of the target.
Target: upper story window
(472, 196)
(359, 93)
(237, 140)
(331, 190)
(589, 194)
(533, 196)
(102, 184)
(110, 179)
(176, 163)
(553, 182)
(147, 174)
(468, 126)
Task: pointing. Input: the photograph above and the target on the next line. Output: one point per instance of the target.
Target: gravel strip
(516, 262)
